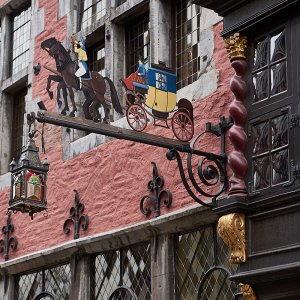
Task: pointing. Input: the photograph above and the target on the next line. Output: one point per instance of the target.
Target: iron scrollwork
(76, 218)
(211, 169)
(157, 193)
(9, 241)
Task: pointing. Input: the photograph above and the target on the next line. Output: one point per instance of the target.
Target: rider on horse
(79, 48)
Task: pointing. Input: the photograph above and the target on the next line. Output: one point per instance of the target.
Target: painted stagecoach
(152, 92)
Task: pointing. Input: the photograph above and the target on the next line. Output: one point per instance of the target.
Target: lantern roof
(30, 158)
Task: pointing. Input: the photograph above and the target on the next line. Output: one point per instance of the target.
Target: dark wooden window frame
(284, 102)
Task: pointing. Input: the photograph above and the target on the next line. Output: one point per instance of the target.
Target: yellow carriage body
(162, 90)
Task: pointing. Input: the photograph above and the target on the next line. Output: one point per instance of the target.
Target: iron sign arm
(211, 174)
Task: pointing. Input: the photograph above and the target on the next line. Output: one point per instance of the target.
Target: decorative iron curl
(155, 187)
(211, 174)
(75, 218)
(10, 242)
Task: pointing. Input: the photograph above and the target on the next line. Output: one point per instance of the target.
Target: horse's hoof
(72, 114)
(63, 112)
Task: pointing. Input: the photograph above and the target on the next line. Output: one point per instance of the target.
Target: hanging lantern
(28, 181)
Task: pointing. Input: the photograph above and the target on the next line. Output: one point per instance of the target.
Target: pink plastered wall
(111, 178)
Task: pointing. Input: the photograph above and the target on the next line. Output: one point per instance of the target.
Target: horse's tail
(114, 97)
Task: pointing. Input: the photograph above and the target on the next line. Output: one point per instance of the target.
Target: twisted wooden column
(236, 46)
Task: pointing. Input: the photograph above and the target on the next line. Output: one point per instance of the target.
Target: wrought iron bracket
(77, 218)
(211, 169)
(209, 175)
(157, 193)
(9, 241)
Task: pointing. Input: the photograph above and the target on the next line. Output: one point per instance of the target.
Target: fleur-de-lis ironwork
(9, 241)
(75, 218)
(157, 193)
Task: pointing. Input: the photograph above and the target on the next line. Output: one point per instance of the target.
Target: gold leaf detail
(231, 228)
(247, 291)
(236, 46)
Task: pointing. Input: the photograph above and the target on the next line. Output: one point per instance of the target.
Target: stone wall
(112, 177)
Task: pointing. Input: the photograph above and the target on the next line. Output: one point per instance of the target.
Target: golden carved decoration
(231, 228)
(236, 46)
(247, 291)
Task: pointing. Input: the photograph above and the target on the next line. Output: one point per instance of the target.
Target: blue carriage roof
(170, 78)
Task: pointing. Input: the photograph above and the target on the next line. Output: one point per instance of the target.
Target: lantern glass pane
(35, 185)
(17, 183)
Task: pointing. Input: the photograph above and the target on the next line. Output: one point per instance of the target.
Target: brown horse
(93, 89)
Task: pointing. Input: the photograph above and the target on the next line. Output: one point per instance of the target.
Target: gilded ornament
(247, 291)
(231, 228)
(236, 46)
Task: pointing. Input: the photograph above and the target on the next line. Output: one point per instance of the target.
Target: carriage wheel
(183, 126)
(136, 117)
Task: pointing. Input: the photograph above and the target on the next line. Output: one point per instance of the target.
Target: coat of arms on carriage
(152, 92)
(75, 75)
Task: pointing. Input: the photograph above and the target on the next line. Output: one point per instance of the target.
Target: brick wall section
(112, 178)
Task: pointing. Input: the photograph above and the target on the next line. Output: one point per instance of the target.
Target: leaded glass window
(91, 11)
(187, 42)
(120, 2)
(270, 153)
(202, 268)
(52, 283)
(269, 70)
(138, 40)
(122, 274)
(96, 59)
(17, 125)
(20, 40)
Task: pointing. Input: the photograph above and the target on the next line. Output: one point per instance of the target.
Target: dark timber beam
(119, 133)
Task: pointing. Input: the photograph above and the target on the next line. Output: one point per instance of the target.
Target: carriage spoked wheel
(182, 126)
(136, 117)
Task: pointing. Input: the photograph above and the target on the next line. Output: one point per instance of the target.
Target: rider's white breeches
(81, 71)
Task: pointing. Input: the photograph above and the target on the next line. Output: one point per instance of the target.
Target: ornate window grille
(187, 42)
(20, 40)
(202, 268)
(138, 41)
(91, 11)
(122, 274)
(53, 283)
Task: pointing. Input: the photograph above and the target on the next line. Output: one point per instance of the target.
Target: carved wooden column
(236, 46)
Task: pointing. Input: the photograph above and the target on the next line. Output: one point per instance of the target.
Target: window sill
(86, 143)
(17, 79)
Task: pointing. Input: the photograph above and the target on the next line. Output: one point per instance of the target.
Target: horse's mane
(51, 41)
